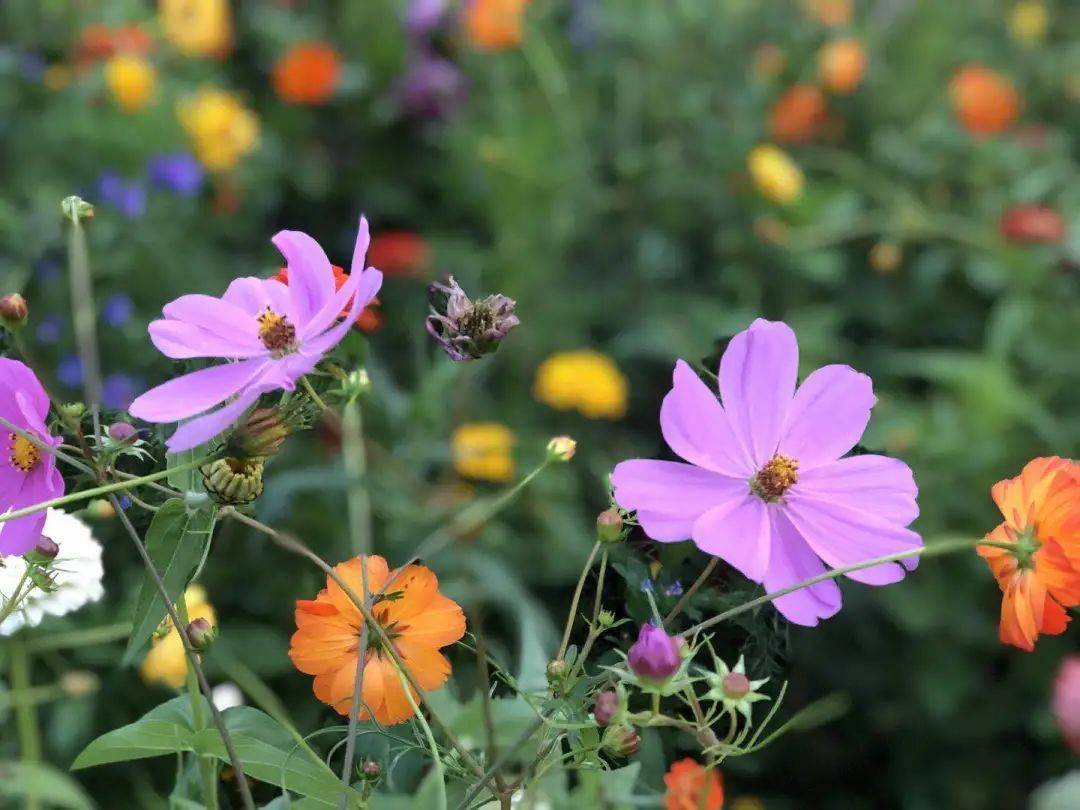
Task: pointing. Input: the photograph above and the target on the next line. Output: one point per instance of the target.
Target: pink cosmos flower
(765, 487)
(1066, 701)
(275, 333)
(28, 475)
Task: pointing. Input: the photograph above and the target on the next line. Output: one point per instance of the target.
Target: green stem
(16, 595)
(436, 759)
(574, 602)
(82, 309)
(686, 597)
(306, 385)
(25, 712)
(207, 768)
(594, 627)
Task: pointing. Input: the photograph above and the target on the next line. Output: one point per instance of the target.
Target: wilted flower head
(468, 329)
(605, 707)
(1066, 701)
(655, 655)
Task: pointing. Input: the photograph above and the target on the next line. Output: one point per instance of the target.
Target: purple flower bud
(468, 329)
(655, 655)
(736, 685)
(45, 551)
(122, 432)
(607, 704)
(201, 633)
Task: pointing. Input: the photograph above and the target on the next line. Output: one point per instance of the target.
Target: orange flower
(370, 319)
(98, 42)
(841, 64)
(399, 253)
(494, 25)
(830, 12)
(307, 74)
(1039, 572)
(686, 782)
(418, 619)
(984, 100)
(798, 114)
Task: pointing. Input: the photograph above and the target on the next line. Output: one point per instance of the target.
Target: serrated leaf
(175, 541)
(51, 787)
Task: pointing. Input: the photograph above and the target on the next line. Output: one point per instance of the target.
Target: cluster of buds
(467, 329)
(13, 312)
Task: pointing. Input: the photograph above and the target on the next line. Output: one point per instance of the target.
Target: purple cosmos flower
(277, 333)
(766, 488)
(655, 654)
(28, 475)
(432, 87)
(177, 171)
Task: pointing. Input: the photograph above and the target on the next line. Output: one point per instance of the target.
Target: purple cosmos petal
(311, 278)
(697, 429)
(360, 249)
(256, 295)
(738, 533)
(20, 535)
(828, 416)
(877, 485)
(203, 428)
(793, 561)
(757, 381)
(842, 535)
(216, 316)
(193, 393)
(370, 284)
(669, 496)
(182, 341)
(16, 377)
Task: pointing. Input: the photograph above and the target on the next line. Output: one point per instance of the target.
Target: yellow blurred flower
(775, 174)
(197, 27)
(166, 662)
(582, 380)
(131, 80)
(1028, 21)
(483, 451)
(222, 130)
(56, 77)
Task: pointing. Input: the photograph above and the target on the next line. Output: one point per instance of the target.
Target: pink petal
(204, 428)
(844, 536)
(182, 341)
(737, 532)
(311, 278)
(793, 561)
(16, 376)
(696, 427)
(828, 415)
(194, 393)
(757, 381)
(370, 282)
(670, 496)
(256, 295)
(20, 535)
(216, 316)
(879, 486)
(360, 249)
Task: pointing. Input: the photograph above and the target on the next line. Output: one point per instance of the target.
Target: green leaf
(166, 729)
(51, 787)
(189, 480)
(176, 541)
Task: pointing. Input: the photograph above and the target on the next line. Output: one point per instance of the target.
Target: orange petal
(442, 623)
(414, 586)
(428, 666)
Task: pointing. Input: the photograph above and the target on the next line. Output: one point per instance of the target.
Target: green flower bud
(201, 634)
(233, 481)
(609, 526)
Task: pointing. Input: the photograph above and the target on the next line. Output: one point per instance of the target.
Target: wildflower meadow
(539, 404)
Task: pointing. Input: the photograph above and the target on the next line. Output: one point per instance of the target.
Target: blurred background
(896, 179)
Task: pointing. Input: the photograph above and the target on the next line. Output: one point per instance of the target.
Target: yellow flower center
(774, 479)
(24, 454)
(276, 333)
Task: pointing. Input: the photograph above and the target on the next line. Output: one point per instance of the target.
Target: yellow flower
(221, 129)
(1028, 21)
(582, 380)
(483, 451)
(197, 27)
(131, 80)
(166, 662)
(775, 174)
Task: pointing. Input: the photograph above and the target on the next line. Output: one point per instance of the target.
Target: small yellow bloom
(1028, 21)
(582, 380)
(561, 448)
(775, 174)
(222, 130)
(197, 27)
(166, 662)
(131, 80)
(483, 451)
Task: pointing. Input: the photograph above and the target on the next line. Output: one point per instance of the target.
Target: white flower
(76, 571)
(226, 695)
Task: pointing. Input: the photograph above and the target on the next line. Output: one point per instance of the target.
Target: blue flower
(674, 589)
(117, 310)
(70, 371)
(48, 330)
(177, 171)
(126, 196)
(646, 585)
(118, 391)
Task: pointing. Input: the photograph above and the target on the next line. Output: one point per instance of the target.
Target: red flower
(399, 253)
(308, 74)
(798, 115)
(1032, 225)
(691, 787)
(985, 101)
(370, 319)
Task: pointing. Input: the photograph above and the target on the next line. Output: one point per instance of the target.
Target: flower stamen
(774, 479)
(277, 333)
(24, 454)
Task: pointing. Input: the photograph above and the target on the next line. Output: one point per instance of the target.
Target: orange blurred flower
(308, 73)
(1032, 225)
(370, 319)
(1037, 572)
(841, 64)
(984, 100)
(417, 618)
(686, 781)
(98, 41)
(399, 253)
(494, 25)
(830, 12)
(797, 116)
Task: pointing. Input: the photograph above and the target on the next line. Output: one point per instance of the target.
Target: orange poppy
(1039, 572)
(307, 74)
(370, 319)
(417, 618)
(841, 64)
(797, 116)
(984, 100)
(399, 253)
(686, 781)
(495, 25)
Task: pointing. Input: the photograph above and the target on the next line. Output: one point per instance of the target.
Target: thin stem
(82, 309)
(306, 385)
(485, 698)
(207, 770)
(25, 712)
(80, 638)
(487, 776)
(686, 597)
(925, 551)
(574, 602)
(436, 759)
(16, 595)
(595, 630)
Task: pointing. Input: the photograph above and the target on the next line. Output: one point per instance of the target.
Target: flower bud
(233, 481)
(467, 329)
(13, 311)
(100, 509)
(72, 411)
(356, 384)
(605, 707)
(605, 618)
(201, 634)
(556, 669)
(736, 685)
(561, 448)
(259, 435)
(655, 656)
(76, 208)
(44, 552)
(369, 770)
(621, 741)
(609, 526)
(123, 432)
(79, 683)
